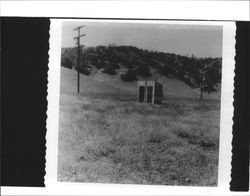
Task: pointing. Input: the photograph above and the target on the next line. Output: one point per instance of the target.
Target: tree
(210, 77)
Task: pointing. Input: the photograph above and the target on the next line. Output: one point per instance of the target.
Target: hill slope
(98, 83)
(128, 64)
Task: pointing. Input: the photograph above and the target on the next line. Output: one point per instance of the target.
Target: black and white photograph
(125, 97)
(139, 103)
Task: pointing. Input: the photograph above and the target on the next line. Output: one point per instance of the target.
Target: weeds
(106, 138)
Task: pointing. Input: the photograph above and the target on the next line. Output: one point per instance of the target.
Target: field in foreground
(106, 136)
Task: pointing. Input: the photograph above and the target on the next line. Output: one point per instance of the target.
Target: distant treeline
(203, 73)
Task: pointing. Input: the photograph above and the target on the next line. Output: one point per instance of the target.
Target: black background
(241, 127)
(24, 66)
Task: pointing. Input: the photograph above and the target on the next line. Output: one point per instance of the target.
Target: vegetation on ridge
(203, 73)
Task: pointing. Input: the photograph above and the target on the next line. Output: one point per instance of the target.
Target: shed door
(149, 94)
(141, 93)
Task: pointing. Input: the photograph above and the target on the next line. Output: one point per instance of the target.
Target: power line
(79, 46)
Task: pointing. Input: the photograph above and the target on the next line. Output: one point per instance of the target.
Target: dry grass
(105, 136)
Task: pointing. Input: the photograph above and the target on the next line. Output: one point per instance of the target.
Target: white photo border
(226, 122)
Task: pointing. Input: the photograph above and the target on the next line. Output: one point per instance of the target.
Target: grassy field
(106, 136)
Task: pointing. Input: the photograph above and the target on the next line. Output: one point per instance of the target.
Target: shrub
(109, 70)
(129, 76)
(190, 137)
(188, 81)
(83, 70)
(208, 143)
(67, 62)
(143, 71)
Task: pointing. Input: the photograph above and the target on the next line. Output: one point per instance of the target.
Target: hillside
(100, 83)
(126, 64)
(105, 136)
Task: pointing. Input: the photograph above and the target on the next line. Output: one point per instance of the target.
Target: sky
(197, 40)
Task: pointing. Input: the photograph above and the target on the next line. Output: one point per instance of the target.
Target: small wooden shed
(150, 91)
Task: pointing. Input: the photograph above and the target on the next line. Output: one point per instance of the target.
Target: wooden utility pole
(86, 57)
(201, 84)
(79, 46)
